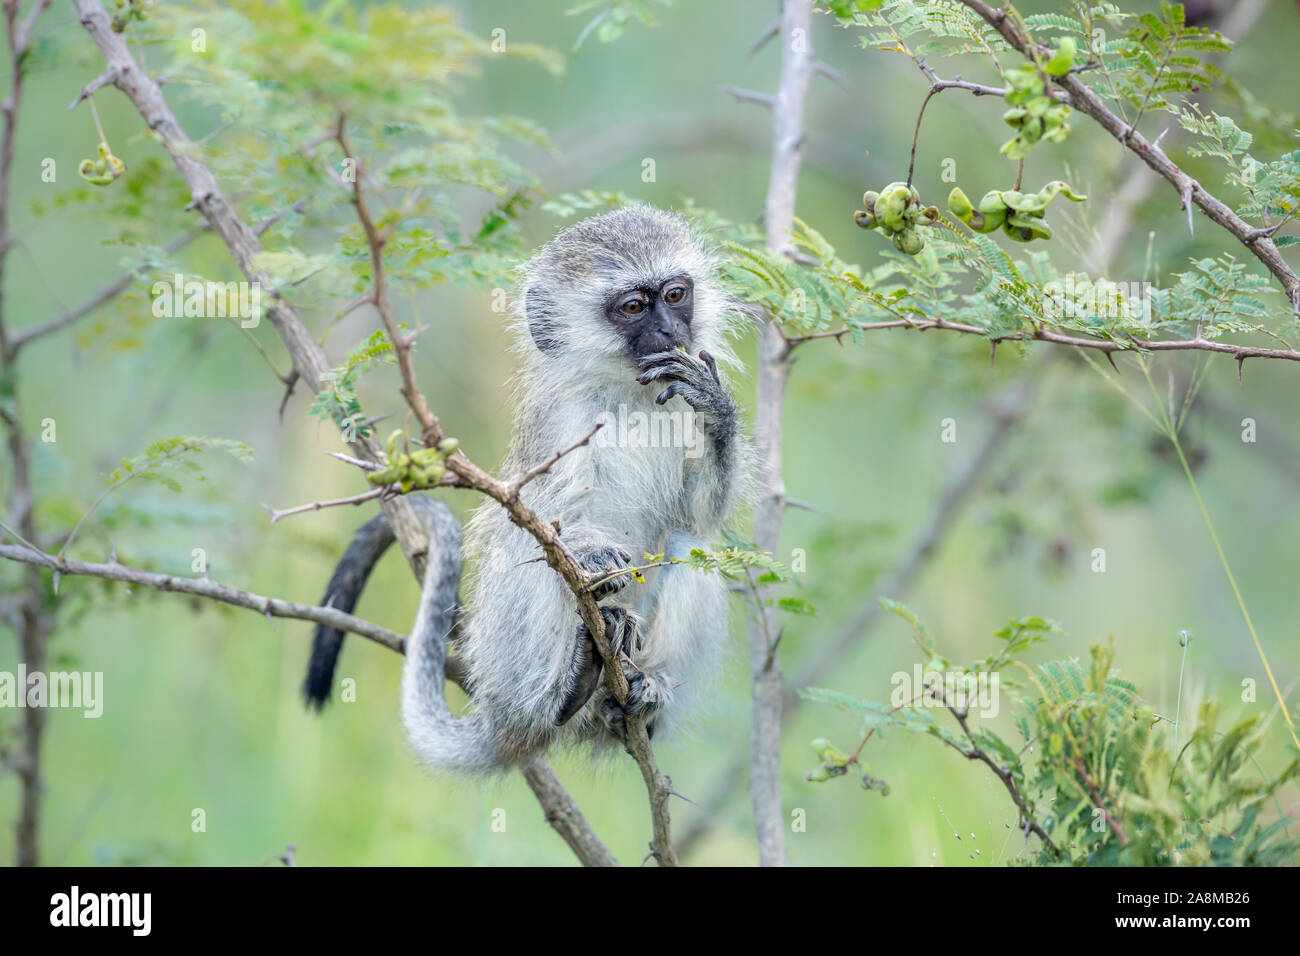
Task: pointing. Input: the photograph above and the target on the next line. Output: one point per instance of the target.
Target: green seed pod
(893, 201)
(820, 775)
(959, 204)
(1024, 79)
(449, 446)
(929, 216)
(908, 241)
(1059, 187)
(1057, 114)
(869, 200)
(94, 173)
(1019, 235)
(865, 220)
(1015, 116)
(820, 744)
(1063, 58)
(991, 213)
(1015, 149)
(1024, 227)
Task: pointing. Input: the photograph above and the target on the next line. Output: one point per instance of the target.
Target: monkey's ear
(539, 308)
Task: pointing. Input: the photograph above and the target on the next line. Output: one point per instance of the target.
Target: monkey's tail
(345, 587)
(441, 740)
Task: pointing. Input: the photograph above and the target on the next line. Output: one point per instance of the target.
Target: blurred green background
(201, 703)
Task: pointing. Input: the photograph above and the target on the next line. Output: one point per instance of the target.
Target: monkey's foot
(645, 698)
(623, 631)
(602, 562)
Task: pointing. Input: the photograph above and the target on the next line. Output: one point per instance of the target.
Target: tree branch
(1106, 346)
(105, 294)
(207, 588)
(563, 814)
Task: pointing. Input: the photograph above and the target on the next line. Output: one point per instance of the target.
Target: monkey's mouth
(650, 343)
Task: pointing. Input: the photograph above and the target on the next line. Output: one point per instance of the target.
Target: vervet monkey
(621, 315)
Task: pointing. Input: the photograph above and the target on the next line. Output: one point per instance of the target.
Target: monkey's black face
(654, 319)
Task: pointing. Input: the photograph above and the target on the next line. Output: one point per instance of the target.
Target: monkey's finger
(661, 358)
(712, 363)
(662, 371)
(677, 388)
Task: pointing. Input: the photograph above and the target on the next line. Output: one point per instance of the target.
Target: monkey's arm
(711, 478)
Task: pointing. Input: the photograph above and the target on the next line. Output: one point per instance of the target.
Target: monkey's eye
(674, 294)
(633, 305)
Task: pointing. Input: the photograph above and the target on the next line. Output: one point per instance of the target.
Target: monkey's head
(623, 285)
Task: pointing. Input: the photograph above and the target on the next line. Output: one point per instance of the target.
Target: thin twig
(371, 495)
(205, 587)
(547, 465)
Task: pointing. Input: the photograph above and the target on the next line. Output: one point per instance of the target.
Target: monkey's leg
(587, 665)
(644, 692)
(681, 642)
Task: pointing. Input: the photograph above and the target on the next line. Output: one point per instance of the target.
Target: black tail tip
(315, 693)
(318, 684)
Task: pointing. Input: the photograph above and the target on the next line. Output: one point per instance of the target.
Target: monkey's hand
(600, 563)
(697, 381)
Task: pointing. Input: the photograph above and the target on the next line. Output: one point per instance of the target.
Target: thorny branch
(1108, 347)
